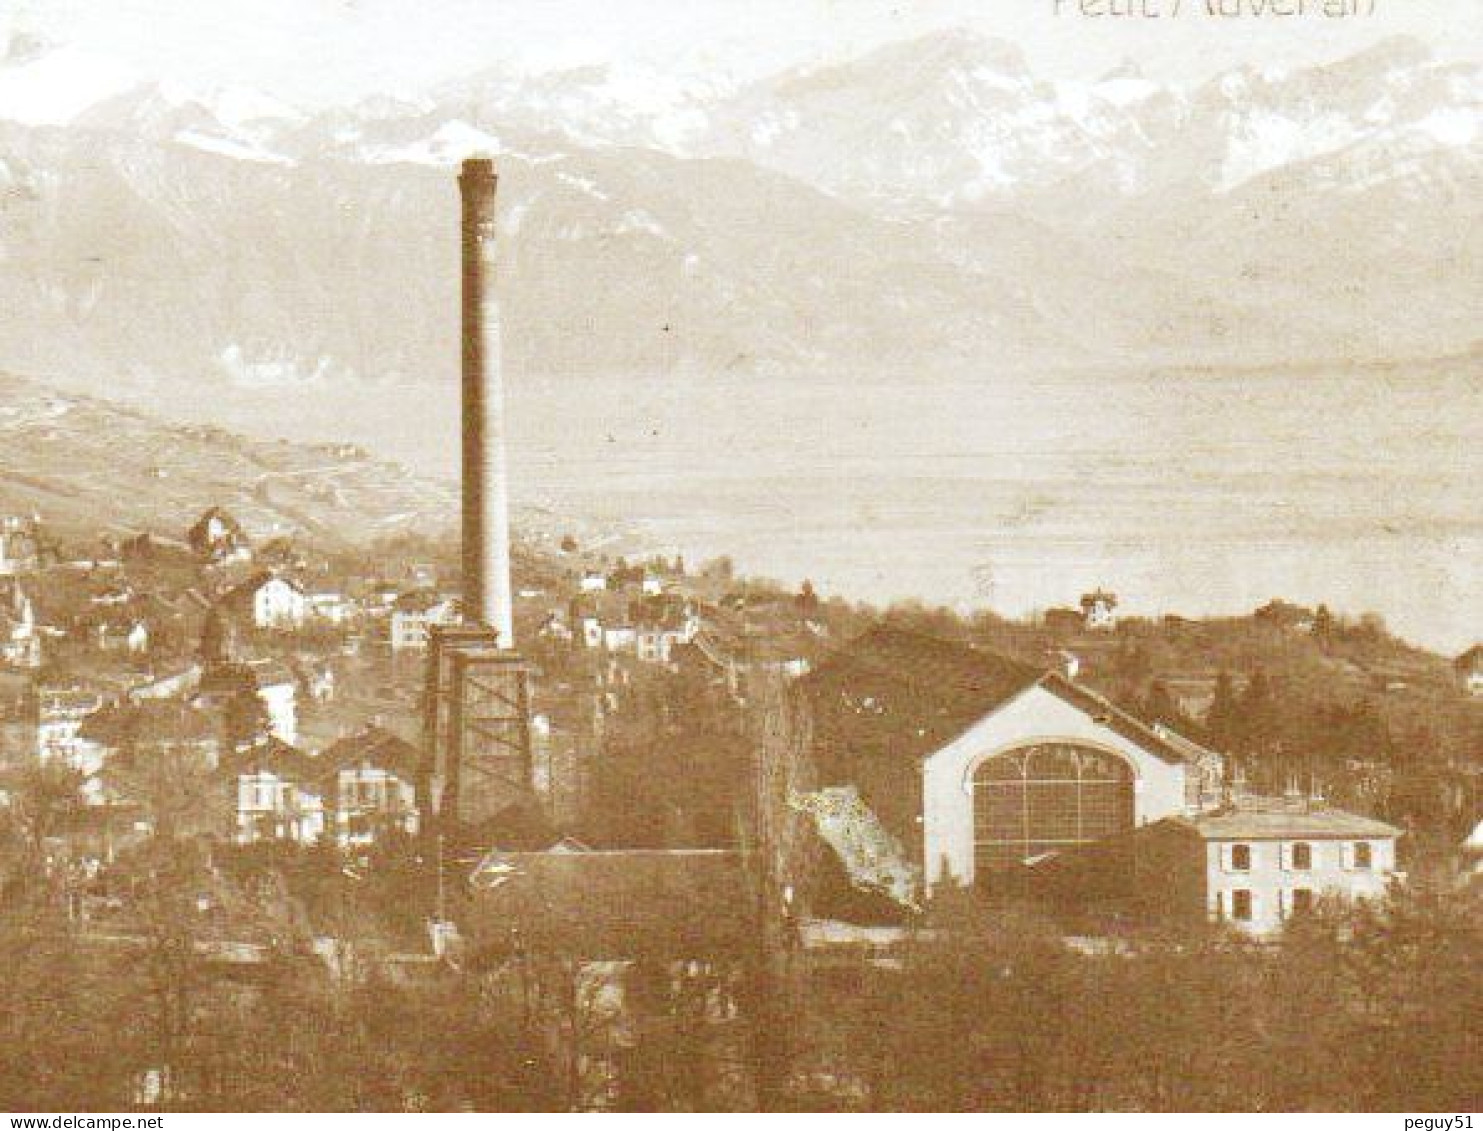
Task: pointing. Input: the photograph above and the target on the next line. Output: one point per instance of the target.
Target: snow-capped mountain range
(929, 206)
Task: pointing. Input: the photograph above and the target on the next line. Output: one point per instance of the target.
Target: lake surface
(1192, 493)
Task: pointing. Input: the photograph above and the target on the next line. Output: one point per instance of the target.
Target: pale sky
(316, 51)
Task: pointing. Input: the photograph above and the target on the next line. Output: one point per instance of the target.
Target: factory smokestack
(486, 503)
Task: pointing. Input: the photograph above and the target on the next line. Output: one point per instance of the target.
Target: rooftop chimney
(486, 505)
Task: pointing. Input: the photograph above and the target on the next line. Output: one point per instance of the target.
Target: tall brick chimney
(486, 497)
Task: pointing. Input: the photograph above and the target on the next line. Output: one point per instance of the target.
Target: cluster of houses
(353, 794)
(156, 641)
(933, 764)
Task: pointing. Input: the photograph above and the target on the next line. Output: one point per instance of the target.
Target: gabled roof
(272, 755)
(242, 593)
(421, 601)
(375, 745)
(1474, 842)
(931, 690)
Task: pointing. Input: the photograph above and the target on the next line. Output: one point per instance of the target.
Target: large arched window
(1034, 802)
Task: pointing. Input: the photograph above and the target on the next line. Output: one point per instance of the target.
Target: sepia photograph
(763, 556)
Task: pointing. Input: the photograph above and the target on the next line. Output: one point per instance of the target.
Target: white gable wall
(1034, 716)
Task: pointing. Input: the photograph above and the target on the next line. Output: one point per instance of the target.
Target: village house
(594, 613)
(662, 624)
(329, 607)
(268, 601)
(274, 794)
(20, 546)
(368, 783)
(359, 790)
(983, 767)
(218, 538)
(1469, 669)
(555, 627)
(1260, 862)
(1472, 853)
(60, 714)
(1099, 611)
(414, 612)
(119, 632)
(20, 637)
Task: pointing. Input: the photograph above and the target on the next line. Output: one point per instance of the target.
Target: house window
(1302, 901)
(1241, 905)
(1241, 859)
(1302, 857)
(1363, 857)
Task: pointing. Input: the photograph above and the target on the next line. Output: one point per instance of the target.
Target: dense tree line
(1369, 1009)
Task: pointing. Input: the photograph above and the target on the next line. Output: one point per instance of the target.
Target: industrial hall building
(979, 764)
(961, 767)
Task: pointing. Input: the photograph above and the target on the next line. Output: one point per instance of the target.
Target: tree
(1160, 707)
(807, 600)
(1222, 721)
(245, 719)
(1323, 625)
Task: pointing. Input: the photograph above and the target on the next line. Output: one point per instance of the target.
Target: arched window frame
(1021, 755)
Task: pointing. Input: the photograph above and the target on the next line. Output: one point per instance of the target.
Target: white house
(18, 546)
(20, 639)
(414, 612)
(1261, 862)
(1099, 611)
(219, 538)
(278, 688)
(59, 721)
(983, 766)
(1469, 668)
(61, 736)
(329, 607)
(619, 637)
(274, 796)
(278, 603)
(368, 781)
(1472, 852)
(269, 601)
